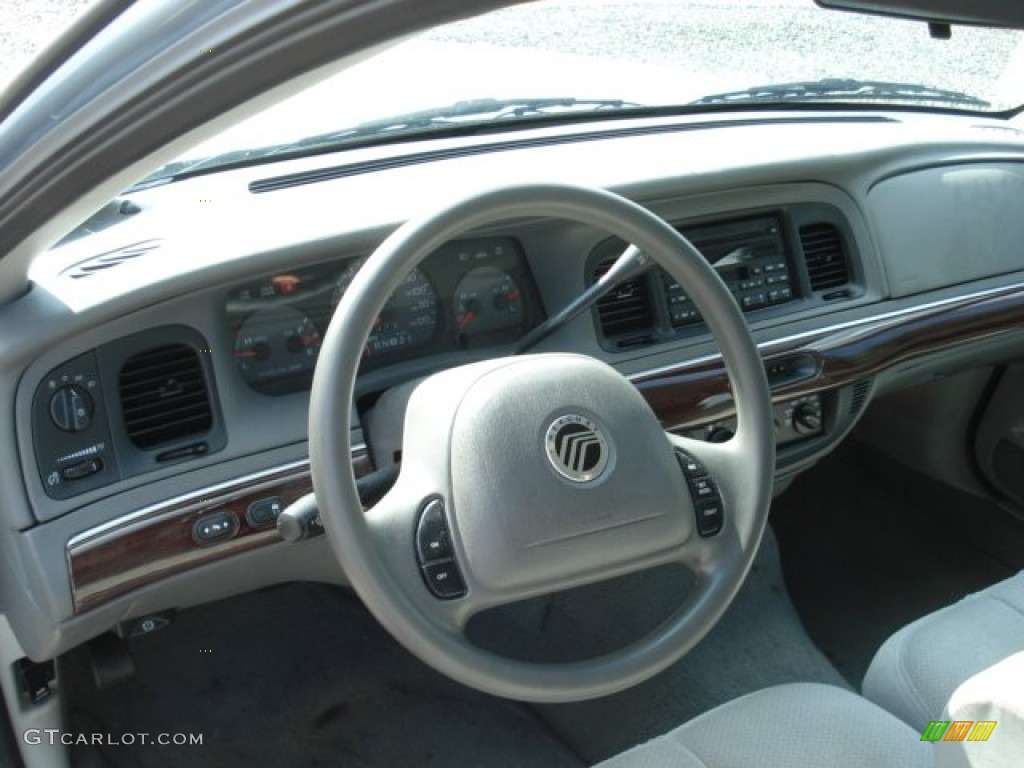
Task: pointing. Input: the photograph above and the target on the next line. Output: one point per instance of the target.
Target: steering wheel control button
(710, 517)
(214, 528)
(263, 513)
(444, 580)
(703, 488)
(434, 552)
(690, 466)
(576, 448)
(707, 503)
(432, 539)
(71, 408)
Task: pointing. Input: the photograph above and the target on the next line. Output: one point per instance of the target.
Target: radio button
(754, 300)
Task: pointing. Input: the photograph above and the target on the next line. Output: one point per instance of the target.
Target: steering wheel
(527, 475)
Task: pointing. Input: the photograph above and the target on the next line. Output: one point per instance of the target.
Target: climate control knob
(807, 419)
(71, 408)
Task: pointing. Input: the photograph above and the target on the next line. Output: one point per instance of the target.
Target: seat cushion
(788, 726)
(916, 670)
(994, 696)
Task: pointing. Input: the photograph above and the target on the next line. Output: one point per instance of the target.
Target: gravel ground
(26, 26)
(706, 38)
(716, 36)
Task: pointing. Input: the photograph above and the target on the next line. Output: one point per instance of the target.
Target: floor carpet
(868, 546)
(299, 675)
(302, 675)
(758, 643)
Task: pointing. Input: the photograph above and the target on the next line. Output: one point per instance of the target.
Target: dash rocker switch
(214, 527)
(263, 513)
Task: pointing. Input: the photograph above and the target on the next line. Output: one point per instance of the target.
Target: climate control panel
(795, 420)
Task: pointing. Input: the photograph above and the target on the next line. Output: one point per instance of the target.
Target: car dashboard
(161, 418)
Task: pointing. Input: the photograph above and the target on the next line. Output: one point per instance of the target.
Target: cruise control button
(444, 580)
(703, 488)
(432, 539)
(215, 527)
(690, 466)
(710, 517)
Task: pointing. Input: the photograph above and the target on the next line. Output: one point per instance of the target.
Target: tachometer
(276, 343)
(488, 303)
(409, 318)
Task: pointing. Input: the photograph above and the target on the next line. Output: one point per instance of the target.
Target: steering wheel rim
(370, 545)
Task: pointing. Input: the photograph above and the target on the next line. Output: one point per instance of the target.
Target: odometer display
(408, 320)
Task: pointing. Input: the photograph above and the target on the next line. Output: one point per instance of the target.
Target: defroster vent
(626, 308)
(163, 396)
(826, 259)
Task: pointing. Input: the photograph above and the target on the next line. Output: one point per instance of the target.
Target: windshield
(577, 59)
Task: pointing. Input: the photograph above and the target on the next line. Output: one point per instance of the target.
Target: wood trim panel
(693, 394)
(160, 543)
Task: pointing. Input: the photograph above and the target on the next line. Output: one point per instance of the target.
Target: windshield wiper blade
(844, 89)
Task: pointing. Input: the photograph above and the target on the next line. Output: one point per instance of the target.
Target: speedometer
(408, 320)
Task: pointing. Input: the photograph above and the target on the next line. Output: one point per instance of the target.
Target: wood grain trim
(144, 550)
(693, 394)
(159, 544)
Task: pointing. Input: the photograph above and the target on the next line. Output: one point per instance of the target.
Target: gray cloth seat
(994, 696)
(788, 726)
(916, 671)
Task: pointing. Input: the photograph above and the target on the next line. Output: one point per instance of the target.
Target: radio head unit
(751, 258)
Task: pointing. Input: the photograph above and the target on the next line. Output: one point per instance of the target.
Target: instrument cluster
(469, 294)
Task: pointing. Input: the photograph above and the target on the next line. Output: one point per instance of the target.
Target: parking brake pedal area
(110, 660)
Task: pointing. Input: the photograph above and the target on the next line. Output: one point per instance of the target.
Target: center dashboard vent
(825, 256)
(627, 307)
(163, 396)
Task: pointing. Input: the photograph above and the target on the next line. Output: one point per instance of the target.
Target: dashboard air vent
(163, 396)
(111, 259)
(859, 396)
(626, 307)
(825, 257)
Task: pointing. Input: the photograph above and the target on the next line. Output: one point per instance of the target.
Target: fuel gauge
(276, 343)
(488, 303)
